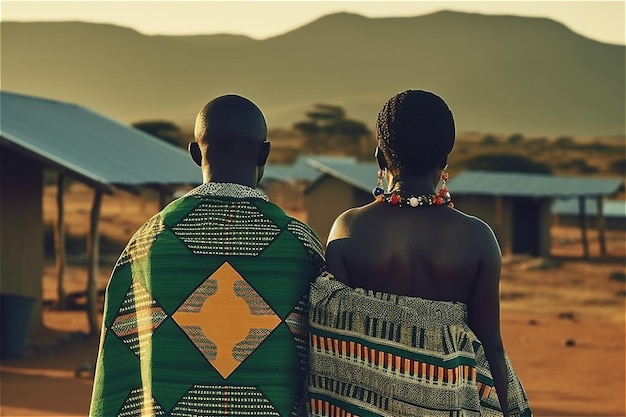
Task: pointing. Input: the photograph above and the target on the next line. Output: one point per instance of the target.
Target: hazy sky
(600, 20)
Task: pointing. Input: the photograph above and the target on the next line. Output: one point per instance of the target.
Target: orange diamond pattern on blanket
(226, 319)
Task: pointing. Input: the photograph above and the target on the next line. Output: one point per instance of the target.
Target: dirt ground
(563, 324)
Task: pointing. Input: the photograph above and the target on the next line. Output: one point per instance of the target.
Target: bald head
(230, 118)
(230, 143)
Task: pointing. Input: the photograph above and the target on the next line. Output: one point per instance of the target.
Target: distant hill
(502, 74)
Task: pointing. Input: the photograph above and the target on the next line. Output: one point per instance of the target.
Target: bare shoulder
(476, 224)
(343, 225)
(477, 230)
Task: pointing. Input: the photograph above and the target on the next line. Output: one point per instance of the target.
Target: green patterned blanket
(378, 354)
(206, 309)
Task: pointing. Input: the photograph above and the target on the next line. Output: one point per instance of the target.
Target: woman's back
(413, 329)
(433, 252)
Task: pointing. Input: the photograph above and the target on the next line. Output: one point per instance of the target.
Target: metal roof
(363, 176)
(301, 169)
(95, 148)
(510, 184)
(610, 208)
(360, 175)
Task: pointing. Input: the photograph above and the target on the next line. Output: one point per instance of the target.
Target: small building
(339, 187)
(285, 183)
(518, 206)
(38, 134)
(566, 213)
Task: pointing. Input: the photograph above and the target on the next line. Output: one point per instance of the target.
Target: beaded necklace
(400, 198)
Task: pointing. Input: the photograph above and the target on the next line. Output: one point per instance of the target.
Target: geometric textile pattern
(309, 241)
(221, 400)
(134, 406)
(189, 329)
(228, 322)
(298, 323)
(235, 229)
(225, 189)
(138, 310)
(139, 246)
(386, 354)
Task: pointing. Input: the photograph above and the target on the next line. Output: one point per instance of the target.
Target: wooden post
(93, 249)
(59, 243)
(582, 219)
(601, 225)
(164, 197)
(504, 240)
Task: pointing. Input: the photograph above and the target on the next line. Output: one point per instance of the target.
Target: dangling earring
(443, 196)
(379, 191)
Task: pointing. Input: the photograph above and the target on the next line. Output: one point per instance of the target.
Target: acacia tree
(167, 131)
(328, 130)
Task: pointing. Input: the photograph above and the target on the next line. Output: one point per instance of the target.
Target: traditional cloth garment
(379, 354)
(206, 311)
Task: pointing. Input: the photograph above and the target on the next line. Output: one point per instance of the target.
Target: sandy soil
(562, 318)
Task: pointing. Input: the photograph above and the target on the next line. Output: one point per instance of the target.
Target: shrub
(564, 141)
(164, 130)
(507, 163)
(515, 138)
(618, 166)
(489, 140)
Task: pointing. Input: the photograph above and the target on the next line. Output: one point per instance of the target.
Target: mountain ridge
(498, 73)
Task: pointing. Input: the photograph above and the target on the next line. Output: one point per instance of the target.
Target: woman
(407, 321)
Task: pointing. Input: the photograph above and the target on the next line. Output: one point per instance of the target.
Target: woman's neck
(414, 185)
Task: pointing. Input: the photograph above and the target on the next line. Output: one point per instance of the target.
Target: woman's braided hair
(415, 132)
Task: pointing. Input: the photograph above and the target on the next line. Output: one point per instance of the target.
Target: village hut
(37, 134)
(516, 205)
(284, 184)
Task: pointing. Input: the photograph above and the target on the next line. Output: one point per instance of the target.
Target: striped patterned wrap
(380, 354)
(206, 311)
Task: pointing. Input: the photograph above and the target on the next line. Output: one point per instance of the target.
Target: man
(206, 309)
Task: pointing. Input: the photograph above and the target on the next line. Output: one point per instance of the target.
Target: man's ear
(264, 153)
(195, 153)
